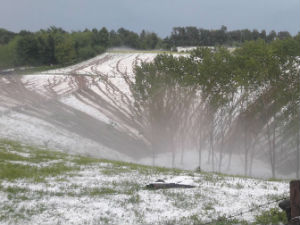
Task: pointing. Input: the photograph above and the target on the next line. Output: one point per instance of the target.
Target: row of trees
(245, 102)
(57, 46)
(193, 36)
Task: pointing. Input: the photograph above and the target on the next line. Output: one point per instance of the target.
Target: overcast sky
(152, 15)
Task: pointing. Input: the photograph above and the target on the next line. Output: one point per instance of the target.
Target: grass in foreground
(39, 185)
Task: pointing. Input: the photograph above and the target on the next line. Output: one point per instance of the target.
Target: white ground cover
(107, 192)
(18, 126)
(98, 88)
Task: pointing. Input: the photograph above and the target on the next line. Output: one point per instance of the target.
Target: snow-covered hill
(86, 108)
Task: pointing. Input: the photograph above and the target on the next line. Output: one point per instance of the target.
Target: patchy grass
(40, 185)
(4, 156)
(98, 192)
(85, 161)
(272, 216)
(10, 171)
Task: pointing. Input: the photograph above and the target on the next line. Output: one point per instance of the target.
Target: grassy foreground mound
(39, 186)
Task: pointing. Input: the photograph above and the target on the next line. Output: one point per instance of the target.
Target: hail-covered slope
(85, 108)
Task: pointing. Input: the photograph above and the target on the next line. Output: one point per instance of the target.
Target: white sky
(153, 15)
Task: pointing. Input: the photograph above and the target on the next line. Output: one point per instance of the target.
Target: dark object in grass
(160, 180)
(285, 205)
(294, 221)
(162, 185)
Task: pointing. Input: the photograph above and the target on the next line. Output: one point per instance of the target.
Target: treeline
(193, 36)
(57, 46)
(244, 102)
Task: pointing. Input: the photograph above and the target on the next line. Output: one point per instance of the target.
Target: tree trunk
(212, 148)
(246, 150)
(173, 153)
(182, 150)
(252, 151)
(221, 152)
(153, 146)
(271, 144)
(246, 163)
(200, 150)
(229, 160)
(274, 151)
(298, 154)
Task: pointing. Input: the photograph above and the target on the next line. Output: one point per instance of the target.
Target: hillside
(39, 186)
(89, 108)
(83, 108)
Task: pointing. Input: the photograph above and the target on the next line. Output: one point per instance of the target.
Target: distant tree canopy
(57, 46)
(193, 36)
